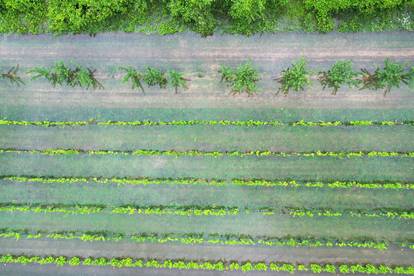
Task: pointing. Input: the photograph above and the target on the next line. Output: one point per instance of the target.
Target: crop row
(242, 79)
(249, 123)
(194, 210)
(383, 212)
(55, 208)
(212, 182)
(201, 238)
(182, 264)
(192, 153)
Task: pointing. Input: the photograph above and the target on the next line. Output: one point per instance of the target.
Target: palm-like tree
(131, 74)
(12, 76)
(177, 80)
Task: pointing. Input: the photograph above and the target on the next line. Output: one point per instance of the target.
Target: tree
(295, 77)
(12, 76)
(341, 73)
(131, 74)
(245, 13)
(177, 80)
(391, 75)
(154, 76)
(197, 13)
(60, 74)
(242, 79)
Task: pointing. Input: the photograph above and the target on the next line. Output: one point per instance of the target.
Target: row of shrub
(195, 210)
(213, 182)
(248, 123)
(143, 152)
(51, 208)
(242, 79)
(169, 16)
(182, 264)
(297, 77)
(177, 210)
(201, 238)
(383, 212)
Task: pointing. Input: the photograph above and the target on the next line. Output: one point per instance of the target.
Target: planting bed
(203, 182)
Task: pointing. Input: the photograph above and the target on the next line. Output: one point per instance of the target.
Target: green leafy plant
(248, 123)
(210, 265)
(242, 79)
(12, 76)
(134, 76)
(61, 74)
(154, 76)
(295, 77)
(391, 75)
(177, 80)
(215, 182)
(341, 73)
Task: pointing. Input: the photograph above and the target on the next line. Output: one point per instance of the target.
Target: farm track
(70, 157)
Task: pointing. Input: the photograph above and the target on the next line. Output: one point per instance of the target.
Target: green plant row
(384, 212)
(154, 77)
(212, 182)
(249, 123)
(242, 79)
(201, 238)
(193, 210)
(51, 208)
(191, 153)
(297, 77)
(182, 264)
(71, 75)
(177, 210)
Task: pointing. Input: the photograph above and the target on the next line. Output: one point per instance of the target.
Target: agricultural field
(217, 165)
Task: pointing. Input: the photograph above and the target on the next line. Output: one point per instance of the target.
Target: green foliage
(144, 152)
(56, 208)
(209, 265)
(391, 75)
(324, 9)
(340, 74)
(12, 76)
(154, 76)
(249, 123)
(133, 76)
(198, 14)
(177, 210)
(177, 80)
(245, 13)
(215, 182)
(242, 79)
(383, 212)
(295, 77)
(91, 16)
(61, 74)
(202, 16)
(22, 16)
